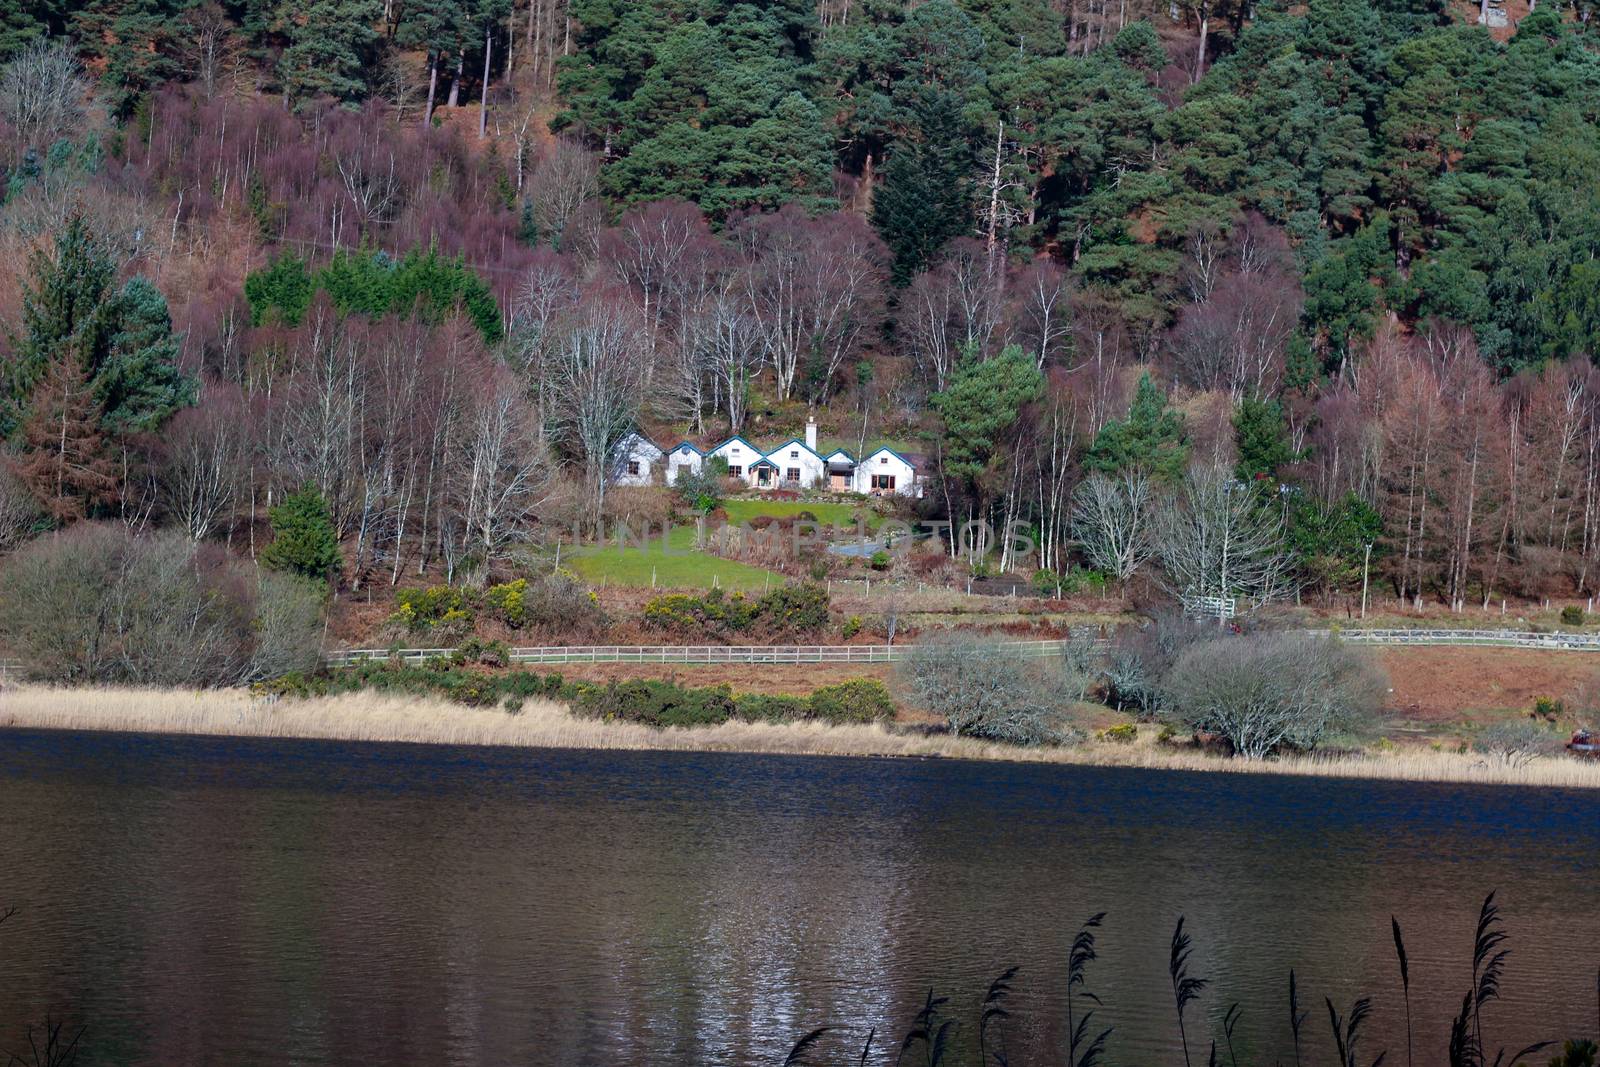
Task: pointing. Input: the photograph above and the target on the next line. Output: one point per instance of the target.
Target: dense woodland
(434, 258)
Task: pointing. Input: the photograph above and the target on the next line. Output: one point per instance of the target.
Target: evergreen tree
(282, 292)
(1152, 438)
(122, 341)
(66, 308)
(331, 50)
(23, 20)
(63, 461)
(1261, 439)
(140, 386)
(926, 197)
(303, 538)
(136, 39)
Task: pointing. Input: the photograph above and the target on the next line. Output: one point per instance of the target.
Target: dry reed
(547, 724)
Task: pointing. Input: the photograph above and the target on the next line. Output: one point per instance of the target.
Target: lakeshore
(548, 724)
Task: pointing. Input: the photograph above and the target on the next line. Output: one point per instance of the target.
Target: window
(734, 451)
(883, 460)
(794, 453)
(735, 471)
(794, 474)
(633, 466)
(883, 481)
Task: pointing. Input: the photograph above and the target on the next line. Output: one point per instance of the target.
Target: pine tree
(303, 538)
(1262, 439)
(330, 50)
(926, 197)
(136, 39)
(64, 463)
(1151, 438)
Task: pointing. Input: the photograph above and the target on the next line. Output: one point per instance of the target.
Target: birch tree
(1216, 538)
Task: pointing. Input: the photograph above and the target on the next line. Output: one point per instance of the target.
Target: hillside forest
(429, 260)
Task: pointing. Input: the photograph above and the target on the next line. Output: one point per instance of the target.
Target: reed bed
(370, 716)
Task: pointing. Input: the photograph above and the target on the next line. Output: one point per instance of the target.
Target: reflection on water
(241, 902)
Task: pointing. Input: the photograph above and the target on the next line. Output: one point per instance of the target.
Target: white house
(841, 471)
(886, 472)
(684, 458)
(634, 460)
(741, 456)
(794, 465)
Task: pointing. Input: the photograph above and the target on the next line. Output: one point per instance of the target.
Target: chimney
(811, 433)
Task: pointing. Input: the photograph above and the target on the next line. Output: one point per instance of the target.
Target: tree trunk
(455, 82)
(1200, 57)
(483, 99)
(433, 88)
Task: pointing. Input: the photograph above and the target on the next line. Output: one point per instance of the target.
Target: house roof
(914, 461)
(686, 444)
(633, 439)
(845, 452)
(739, 439)
(794, 441)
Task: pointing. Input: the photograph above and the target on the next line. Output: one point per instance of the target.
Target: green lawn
(683, 567)
(841, 515)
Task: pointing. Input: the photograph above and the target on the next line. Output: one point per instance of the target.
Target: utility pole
(1366, 566)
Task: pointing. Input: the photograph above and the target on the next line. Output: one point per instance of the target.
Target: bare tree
(504, 472)
(1113, 520)
(42, 92)
(982, 689)
(1041, 312)
(204, 454)
(565, 190)
(813, 287)
(599, 373)
(1216, 538)
(20, 517)
(1266, 693)
(208, 47)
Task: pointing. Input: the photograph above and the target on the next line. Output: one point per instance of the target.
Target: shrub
(509, 602)
(1123, 733)
(793, 609)
(788, 611)
(879, 560)
(1549, 709)
(512, 704)
(758, 707)
(1517, 743)
(860, 700)
(657, 703)
(96, 606)
(982, 689)
(701, 491)
(439, 606)
(851, 627)
(1572, 615)
(1141, 657)
(1272, 692)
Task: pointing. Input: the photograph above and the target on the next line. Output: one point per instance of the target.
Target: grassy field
(683, 567)
(829, 514)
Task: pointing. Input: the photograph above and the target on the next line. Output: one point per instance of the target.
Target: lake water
(200, 901)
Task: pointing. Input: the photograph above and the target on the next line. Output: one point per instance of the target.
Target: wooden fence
(687, 653)
(891, 653)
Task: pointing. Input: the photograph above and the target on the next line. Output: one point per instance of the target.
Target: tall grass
(932, 1037)
(370, 716)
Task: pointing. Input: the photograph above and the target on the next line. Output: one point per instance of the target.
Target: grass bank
(368, 716)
